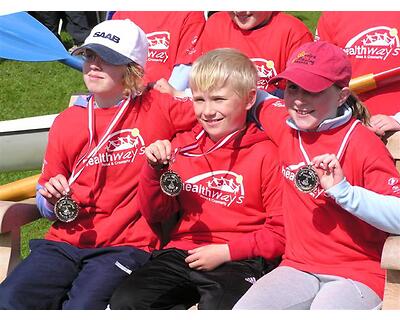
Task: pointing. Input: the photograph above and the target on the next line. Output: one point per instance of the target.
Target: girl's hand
(328, 169)
(55, 188)
(208, 257)
(158, 153)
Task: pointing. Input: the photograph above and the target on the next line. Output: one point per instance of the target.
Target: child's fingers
(45, 193)
(192, 258)
(53, 187)
(164, 149)
(324, 161)
(64, 183)
(159, 151)
(150, 154)
(194, 262)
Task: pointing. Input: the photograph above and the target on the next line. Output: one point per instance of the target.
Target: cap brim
(308, 81)
(108, 55)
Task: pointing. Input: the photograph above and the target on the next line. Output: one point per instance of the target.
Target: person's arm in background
(380, 123)
(187, 51)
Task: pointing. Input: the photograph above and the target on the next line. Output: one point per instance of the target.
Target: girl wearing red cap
(340, 199)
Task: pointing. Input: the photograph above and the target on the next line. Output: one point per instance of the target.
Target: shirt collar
(345, 111)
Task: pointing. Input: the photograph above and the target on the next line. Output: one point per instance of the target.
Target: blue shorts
(57, 275)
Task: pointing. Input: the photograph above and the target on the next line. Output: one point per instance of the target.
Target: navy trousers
(57, 275)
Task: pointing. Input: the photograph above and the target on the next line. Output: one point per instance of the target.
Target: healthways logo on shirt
(158, 46)
(223, 187)
(266, 70)
(374, 43)
(118, 148)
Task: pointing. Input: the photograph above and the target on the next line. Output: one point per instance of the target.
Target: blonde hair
(221, 67)
(359, 110)
(133, 80)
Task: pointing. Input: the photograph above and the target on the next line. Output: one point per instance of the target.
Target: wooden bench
(14, 214)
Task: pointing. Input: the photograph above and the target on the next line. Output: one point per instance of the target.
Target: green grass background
(30, 89)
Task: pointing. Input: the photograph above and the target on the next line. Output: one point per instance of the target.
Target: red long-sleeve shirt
(106, 190)
(321, 237)
(232, 195)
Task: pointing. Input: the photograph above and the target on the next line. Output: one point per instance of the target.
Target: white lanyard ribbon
(218, 145)
(114, 121)
(342, 145)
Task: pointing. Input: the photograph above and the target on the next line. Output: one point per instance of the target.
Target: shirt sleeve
(181, 114)
(324, 30)
(396, 117)
(45, 207)
(154, 205)
(56, 160)
(271, 114)
(380, 211)
(179, 78)
(191, 31)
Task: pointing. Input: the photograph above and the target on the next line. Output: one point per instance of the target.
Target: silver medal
(306, 179)
(66, 209)
(171, 183)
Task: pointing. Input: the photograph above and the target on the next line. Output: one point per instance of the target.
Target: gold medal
(306, 179)
(171, 183)
(66, 209)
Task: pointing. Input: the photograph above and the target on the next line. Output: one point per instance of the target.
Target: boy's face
(247, 20)
(102, 78)
(221, 111)
(309, 109)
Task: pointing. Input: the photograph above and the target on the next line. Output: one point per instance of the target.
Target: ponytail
(359, 110)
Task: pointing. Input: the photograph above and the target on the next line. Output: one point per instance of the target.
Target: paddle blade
(23, 38)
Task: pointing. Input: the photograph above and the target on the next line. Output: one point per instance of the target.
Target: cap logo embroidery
(106, 36)
(304, 58)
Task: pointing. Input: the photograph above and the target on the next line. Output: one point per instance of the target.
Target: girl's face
(102, 78)
(221, 111)
(309, 109)
(247, 20)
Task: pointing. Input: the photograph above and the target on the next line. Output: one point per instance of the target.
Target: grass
(31, 89)
(310, 18)
(38, 88)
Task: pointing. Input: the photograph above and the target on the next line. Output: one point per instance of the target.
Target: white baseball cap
(117, 42)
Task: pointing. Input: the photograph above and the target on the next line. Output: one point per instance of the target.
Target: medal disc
(66, 209)
(171, 183)
(306, 179)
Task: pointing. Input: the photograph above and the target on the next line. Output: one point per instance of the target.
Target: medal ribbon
(75, 172)
(342, 145)
(218, 145)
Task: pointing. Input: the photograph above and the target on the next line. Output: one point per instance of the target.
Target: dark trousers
(167, 282)
(77, 24)
(57, 275)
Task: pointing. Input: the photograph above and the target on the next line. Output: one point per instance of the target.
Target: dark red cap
(315, 66)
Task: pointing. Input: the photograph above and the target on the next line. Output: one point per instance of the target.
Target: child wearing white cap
(89, 179)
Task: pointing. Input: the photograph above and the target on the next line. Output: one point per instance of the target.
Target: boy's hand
(158, 153)
(381, 123)
(328, 169)
(55, 188)
(208, 257)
